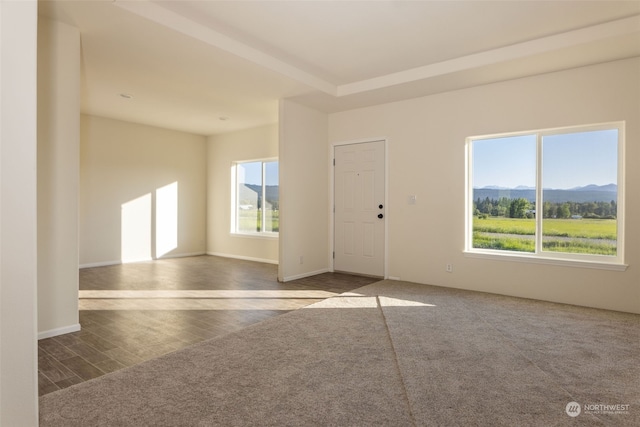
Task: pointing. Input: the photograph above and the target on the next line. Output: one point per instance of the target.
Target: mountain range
(587, 193)
(252, 194)
(590, 187)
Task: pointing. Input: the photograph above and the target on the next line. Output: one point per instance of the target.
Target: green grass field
(249, 221)
(503, 234)
(505, 225)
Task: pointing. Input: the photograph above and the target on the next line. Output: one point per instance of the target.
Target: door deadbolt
(380, 206)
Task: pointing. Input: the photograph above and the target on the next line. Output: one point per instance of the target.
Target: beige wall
(304, 192)
(251, 144)
(426, 139)
(58, 174)
(125, 169)
(18, 215)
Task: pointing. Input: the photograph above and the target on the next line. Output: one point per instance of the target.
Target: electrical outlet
(301, 259)
(449, 268)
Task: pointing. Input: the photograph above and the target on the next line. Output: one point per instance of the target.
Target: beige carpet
(388, 354)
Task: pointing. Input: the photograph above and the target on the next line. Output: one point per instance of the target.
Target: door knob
(380, 216)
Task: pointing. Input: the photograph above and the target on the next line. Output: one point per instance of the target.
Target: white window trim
(539, 257)
(268, 235)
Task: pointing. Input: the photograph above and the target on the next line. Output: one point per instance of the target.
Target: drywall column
(58, 177)
(304, 193)
(18, 280)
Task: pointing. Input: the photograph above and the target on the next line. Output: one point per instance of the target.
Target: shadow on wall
(149, 225)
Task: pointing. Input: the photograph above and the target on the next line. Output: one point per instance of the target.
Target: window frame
(234, 200)
(549, 257)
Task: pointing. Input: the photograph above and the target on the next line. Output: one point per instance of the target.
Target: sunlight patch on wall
(136, 229)
(166, 219)
(149, 225)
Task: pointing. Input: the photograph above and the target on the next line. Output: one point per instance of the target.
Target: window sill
(542, 260)
(265, 236)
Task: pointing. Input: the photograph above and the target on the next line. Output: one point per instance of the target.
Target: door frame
(332, 150)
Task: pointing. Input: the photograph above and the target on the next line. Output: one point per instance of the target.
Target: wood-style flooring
(134, 312)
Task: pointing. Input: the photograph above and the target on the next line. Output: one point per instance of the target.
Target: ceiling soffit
(205, 33)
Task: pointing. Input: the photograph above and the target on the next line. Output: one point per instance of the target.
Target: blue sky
(569, 160)
(251, 173)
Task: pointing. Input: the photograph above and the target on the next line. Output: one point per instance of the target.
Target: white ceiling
(188, 63)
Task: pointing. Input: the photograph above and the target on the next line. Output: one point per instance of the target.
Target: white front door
(359, 220)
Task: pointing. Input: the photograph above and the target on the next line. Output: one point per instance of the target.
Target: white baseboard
(303, 275)
(99, 264)
(246, 258)
(394, 278)
(168, 256)
(182, 255)
(59, 331)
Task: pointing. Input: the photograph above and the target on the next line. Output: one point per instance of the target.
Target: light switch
(411, 200)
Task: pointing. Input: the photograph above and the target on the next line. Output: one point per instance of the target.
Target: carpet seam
(396, 362)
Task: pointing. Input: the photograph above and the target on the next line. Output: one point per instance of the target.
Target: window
(255, 201)
(553, 194)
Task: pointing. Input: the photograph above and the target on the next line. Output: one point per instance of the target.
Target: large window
(255, 201)
(553, 194)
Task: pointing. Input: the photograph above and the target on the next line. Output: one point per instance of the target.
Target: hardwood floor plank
(55, 349)
(82, 368)
(53, 369)
(68, 382)
(96, 341)
(109, 365)
(45, 385)
(124, 357)
(88, 353)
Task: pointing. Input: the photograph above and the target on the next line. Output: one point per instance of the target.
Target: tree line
(523, 208)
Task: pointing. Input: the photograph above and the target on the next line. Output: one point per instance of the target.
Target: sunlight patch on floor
(354, 300)
(199, 299)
